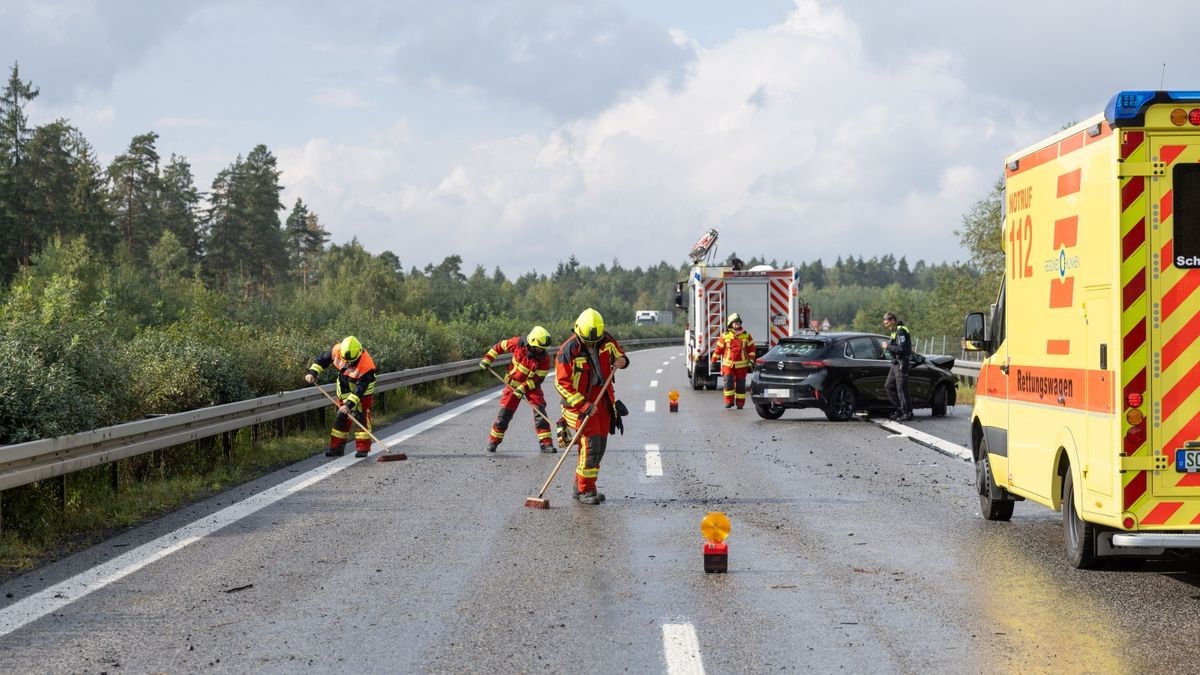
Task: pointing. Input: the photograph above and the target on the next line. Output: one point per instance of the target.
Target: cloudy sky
(516, 133)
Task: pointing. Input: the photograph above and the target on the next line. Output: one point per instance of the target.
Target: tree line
(126, 291)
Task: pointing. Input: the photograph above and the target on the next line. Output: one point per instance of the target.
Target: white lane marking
(54, 598)
(943, 446)
(681, 648)
(653, 383)
(666, 363)
(658, 372)
(650, 406)
(653, 460)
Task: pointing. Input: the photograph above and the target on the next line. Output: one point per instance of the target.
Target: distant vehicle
(842, 374)
(645, 317)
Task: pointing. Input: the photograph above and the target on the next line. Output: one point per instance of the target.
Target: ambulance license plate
(780, 393)
(1187, 460)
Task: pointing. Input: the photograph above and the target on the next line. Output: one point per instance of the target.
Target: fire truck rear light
(1129, 523)
(1134, 400)
(1194, 116)
(1179, 117)
(1134, 416)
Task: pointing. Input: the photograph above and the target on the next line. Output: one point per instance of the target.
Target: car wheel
(768, 412)
(843, 403)
(990, 507)
(938, 402)
(1080, 536)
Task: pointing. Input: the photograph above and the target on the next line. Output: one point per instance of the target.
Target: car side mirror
(974, 337)
(679, 303)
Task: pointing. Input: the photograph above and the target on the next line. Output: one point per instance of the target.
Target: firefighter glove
(310, 378)
(587, 409)
(485, 363)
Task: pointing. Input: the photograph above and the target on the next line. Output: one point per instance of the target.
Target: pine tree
(179, 204)
(134, 187)
(14, 135)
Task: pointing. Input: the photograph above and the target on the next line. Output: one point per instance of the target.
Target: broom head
(392, 457)
(537, 503)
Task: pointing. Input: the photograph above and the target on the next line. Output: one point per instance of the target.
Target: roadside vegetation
(126, 291)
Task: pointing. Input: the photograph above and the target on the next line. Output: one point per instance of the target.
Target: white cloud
(342, 98)
(791, 140)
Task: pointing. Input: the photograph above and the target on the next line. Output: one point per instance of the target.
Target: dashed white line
(666, 363)
(650, 406)
(658, 372)
(54, 598)
(653, 460)
(653, 383)
(681, 649)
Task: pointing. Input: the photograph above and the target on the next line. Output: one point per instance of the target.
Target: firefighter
(530, 365)
(900, 347)
(735, 351)
(582, 368)
(355, 392)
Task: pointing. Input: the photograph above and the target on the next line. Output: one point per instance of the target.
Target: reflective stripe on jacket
(354, 382)
(736, 350)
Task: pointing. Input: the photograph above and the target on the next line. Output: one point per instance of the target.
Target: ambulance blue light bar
(1128, 108)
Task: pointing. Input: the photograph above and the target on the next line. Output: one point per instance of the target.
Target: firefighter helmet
(351, 349)
(734, 318)
(538, 337)
(589, 326)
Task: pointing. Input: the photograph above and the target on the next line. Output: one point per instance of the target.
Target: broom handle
(603, 389)
(352, 417)
(509, 386)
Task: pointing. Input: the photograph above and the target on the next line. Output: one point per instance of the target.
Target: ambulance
(1088, 398)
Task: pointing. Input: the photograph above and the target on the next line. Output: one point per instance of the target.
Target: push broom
(384, 456)
(538, 502)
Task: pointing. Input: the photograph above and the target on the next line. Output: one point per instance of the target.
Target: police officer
(900, 347)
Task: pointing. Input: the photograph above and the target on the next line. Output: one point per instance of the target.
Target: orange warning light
(715, 527)
(673, 400)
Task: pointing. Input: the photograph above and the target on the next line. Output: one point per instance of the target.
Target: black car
(843, 373)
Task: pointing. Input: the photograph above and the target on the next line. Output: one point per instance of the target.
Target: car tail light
(814, 364)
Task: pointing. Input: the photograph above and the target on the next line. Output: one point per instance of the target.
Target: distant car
(843, 373)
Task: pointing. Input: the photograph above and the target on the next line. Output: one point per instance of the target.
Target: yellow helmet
(732, 318)
(538, 337)
(589, 326)
(351, 348)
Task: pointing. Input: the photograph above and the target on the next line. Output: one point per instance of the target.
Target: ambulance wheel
(698, 379)
(938, 402)
(1080, 536)
(768, 412)
(843, 403)
(990, 507)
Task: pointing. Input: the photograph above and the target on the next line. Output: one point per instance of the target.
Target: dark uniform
(900, 347)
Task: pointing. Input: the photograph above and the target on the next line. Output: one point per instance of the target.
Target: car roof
(840, 335)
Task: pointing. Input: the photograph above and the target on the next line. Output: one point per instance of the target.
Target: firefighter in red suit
(735, 350)
(530, 365)
(581, 370)
(355, 392)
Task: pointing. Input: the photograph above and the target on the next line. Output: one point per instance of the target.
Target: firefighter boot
(547, 447)
(360, 453)
(491, 447)
(581, 495)
(335, 452)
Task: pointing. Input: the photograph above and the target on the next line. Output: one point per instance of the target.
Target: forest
(126, 290)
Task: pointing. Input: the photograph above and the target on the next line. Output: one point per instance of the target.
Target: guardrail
(26, 463)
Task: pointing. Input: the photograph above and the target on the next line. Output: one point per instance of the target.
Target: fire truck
(1088, 399)
(767, 299)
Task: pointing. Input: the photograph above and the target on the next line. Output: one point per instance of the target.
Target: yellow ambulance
(1088, 399)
